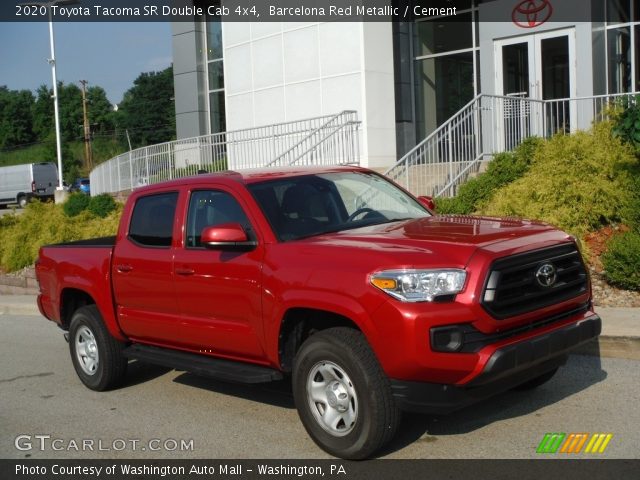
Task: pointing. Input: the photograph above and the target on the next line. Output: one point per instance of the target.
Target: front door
(219, 292)
(541, 68)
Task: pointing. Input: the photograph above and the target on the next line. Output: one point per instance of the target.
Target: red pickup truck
(335, 277)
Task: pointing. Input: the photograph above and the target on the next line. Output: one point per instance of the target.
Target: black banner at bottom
(538, 469)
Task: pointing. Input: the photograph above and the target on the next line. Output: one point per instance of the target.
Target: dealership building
(403, 79)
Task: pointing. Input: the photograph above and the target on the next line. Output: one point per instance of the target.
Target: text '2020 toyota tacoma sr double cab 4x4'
(335, 277)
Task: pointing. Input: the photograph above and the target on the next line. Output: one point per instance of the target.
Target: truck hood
(447, 239)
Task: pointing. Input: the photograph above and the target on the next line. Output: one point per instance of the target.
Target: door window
(209, 208)
(152, 220)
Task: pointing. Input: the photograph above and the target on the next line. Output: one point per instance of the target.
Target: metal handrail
(489, 124)
(311, 135)
(257, 147)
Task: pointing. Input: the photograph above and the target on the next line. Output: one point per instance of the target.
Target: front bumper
(507, 367)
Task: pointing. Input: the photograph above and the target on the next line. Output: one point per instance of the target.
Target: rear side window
(152, 220)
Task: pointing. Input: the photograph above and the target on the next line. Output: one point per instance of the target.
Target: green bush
(577, 182)
(102, 205)
(627, 123)
(622, 261)
(75, 204)
(21, 236)
(450, 205)
(502, 170)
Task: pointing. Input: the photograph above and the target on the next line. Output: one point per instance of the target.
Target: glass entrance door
(541, 69)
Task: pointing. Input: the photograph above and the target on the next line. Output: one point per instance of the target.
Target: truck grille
(526, 282)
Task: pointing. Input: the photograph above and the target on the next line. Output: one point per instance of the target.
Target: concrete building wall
(189, 79)
(280, 72)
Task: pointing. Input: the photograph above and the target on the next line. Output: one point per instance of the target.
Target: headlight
(419, 285)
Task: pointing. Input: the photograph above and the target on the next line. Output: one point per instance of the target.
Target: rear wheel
(23, 200)
(96, 355)
(343, 398)
(536, 382)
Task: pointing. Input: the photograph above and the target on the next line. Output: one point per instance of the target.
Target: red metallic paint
(227, 233)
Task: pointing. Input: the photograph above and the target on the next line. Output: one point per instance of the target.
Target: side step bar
(226, 370)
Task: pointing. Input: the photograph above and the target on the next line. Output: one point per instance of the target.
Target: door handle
(185, 271)
(124, 268)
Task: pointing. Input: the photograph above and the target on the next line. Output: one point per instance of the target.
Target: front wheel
(343, 398)
(96, 355)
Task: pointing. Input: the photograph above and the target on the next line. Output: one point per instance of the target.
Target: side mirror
(227, 236)
(428, 202)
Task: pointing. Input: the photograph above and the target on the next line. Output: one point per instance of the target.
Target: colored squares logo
(574, 443)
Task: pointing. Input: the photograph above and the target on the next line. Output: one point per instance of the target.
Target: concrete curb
(19, 309)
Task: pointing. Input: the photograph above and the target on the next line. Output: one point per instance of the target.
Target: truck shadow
(580, 373)
(277, 393)
(141, 372)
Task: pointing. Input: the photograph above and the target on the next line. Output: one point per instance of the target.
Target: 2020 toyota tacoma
(335, 277)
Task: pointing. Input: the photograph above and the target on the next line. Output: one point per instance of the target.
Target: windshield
(302, 206)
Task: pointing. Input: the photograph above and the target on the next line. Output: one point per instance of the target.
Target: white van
(21, 183)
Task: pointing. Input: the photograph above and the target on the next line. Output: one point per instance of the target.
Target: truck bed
(83, 265)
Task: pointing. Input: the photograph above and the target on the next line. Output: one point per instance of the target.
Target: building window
(215, 74)
(622, 38)
(618, 11)
(619, 54)
(446, 67)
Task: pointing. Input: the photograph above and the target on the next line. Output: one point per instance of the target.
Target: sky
(109, 54)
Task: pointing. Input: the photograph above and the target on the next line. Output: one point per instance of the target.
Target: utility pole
(88, 160)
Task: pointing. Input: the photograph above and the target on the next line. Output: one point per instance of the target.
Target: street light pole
(52, 62)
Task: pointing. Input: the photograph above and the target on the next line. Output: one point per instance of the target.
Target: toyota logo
(546, 275)
(532, 13)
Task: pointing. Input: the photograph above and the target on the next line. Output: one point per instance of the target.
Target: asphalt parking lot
(160, 411)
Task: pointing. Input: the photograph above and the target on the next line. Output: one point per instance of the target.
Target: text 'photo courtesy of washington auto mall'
(324, 238)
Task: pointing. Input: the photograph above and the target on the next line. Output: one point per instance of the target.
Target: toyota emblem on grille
(546, 275)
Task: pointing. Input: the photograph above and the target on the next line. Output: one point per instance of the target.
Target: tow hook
(66, 336)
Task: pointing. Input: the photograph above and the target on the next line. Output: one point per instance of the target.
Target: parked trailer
(21, 183)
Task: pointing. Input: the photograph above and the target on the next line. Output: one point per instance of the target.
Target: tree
(43, 113)
(101, 115)
(147, 109)
(70, 105)
(16, 117)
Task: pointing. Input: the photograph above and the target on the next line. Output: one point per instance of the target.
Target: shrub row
(21, 236)
(621, 261)
(627, 122)
(100, 205)
(502, 170)
(577, 182)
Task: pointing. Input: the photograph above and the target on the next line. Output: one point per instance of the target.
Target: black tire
(101, 365)
(23, 201)
(376, 415)
(536, 382)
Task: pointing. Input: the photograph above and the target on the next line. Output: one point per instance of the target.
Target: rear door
(45, 178)
(142, 269)
(218, 291)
